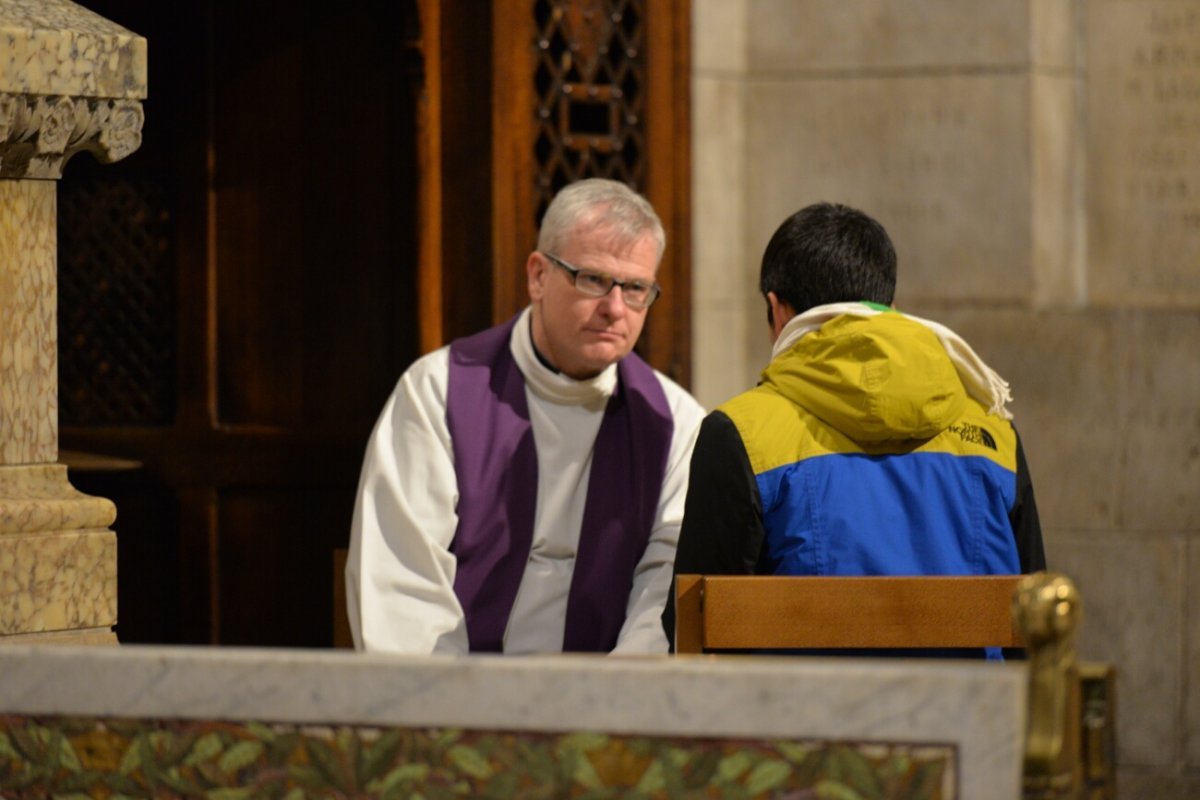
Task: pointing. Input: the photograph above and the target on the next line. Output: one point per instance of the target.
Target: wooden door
(238, 300)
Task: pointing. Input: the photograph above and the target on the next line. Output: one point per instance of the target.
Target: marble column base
(38, 498)
(58, 560)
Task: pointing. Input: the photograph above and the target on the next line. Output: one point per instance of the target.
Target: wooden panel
(667, 337)
(228, 458)
(876, 612)
(358, 273)
(273, 559)
(260, 182)
(342, 637)
(429, 183)
(455, 134)
(198, 570)
(454, 125)
(689, 605)
(182, 65)
(466, 63)
(315, 267)
(514, 228)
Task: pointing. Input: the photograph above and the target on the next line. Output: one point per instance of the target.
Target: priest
(523, 489)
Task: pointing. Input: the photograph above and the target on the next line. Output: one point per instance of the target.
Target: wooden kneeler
(726, 612)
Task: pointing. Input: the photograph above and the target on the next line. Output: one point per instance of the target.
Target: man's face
(579, 334)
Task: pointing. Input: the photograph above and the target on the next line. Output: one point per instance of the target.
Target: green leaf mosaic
(110, 759)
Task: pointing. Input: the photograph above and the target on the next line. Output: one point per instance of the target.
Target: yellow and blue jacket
(859, 453)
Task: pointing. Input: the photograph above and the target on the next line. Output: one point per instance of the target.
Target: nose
(612, 304)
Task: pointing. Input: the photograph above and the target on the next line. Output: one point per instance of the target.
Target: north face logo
(974, 434)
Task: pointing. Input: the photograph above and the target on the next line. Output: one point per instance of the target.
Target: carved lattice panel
(116, 304)
(589, 85)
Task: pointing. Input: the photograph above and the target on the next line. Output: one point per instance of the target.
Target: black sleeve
(1027, 528)
(722, 531)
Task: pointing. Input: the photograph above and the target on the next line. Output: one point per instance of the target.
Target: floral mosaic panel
(90, 758)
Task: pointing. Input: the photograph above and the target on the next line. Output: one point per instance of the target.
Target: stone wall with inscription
(1038, 166)
(1143, 152)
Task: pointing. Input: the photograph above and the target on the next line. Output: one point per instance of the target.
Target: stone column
(69, 81)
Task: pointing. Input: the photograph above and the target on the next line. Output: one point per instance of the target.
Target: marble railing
(144, 721)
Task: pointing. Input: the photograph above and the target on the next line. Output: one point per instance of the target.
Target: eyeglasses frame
(573, 271)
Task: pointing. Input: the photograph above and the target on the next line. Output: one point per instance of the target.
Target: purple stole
(496, 464)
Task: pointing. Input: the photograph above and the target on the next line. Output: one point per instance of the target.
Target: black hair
(829, 253)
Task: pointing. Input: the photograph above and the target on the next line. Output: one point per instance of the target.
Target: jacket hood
(874, 379)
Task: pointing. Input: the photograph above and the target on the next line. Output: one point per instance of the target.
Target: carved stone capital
(39, 133)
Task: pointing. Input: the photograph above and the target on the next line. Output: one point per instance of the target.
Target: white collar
(550, 384)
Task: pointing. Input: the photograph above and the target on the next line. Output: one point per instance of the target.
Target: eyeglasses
(638, 295)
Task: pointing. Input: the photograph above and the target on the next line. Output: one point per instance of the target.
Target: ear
(780, 312)
(536, 271)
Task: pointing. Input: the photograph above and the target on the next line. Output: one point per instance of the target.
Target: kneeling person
(877, 443)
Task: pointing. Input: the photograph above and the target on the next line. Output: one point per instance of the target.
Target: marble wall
(1038, 165)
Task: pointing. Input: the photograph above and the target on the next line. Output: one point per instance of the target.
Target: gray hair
(600, 204)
